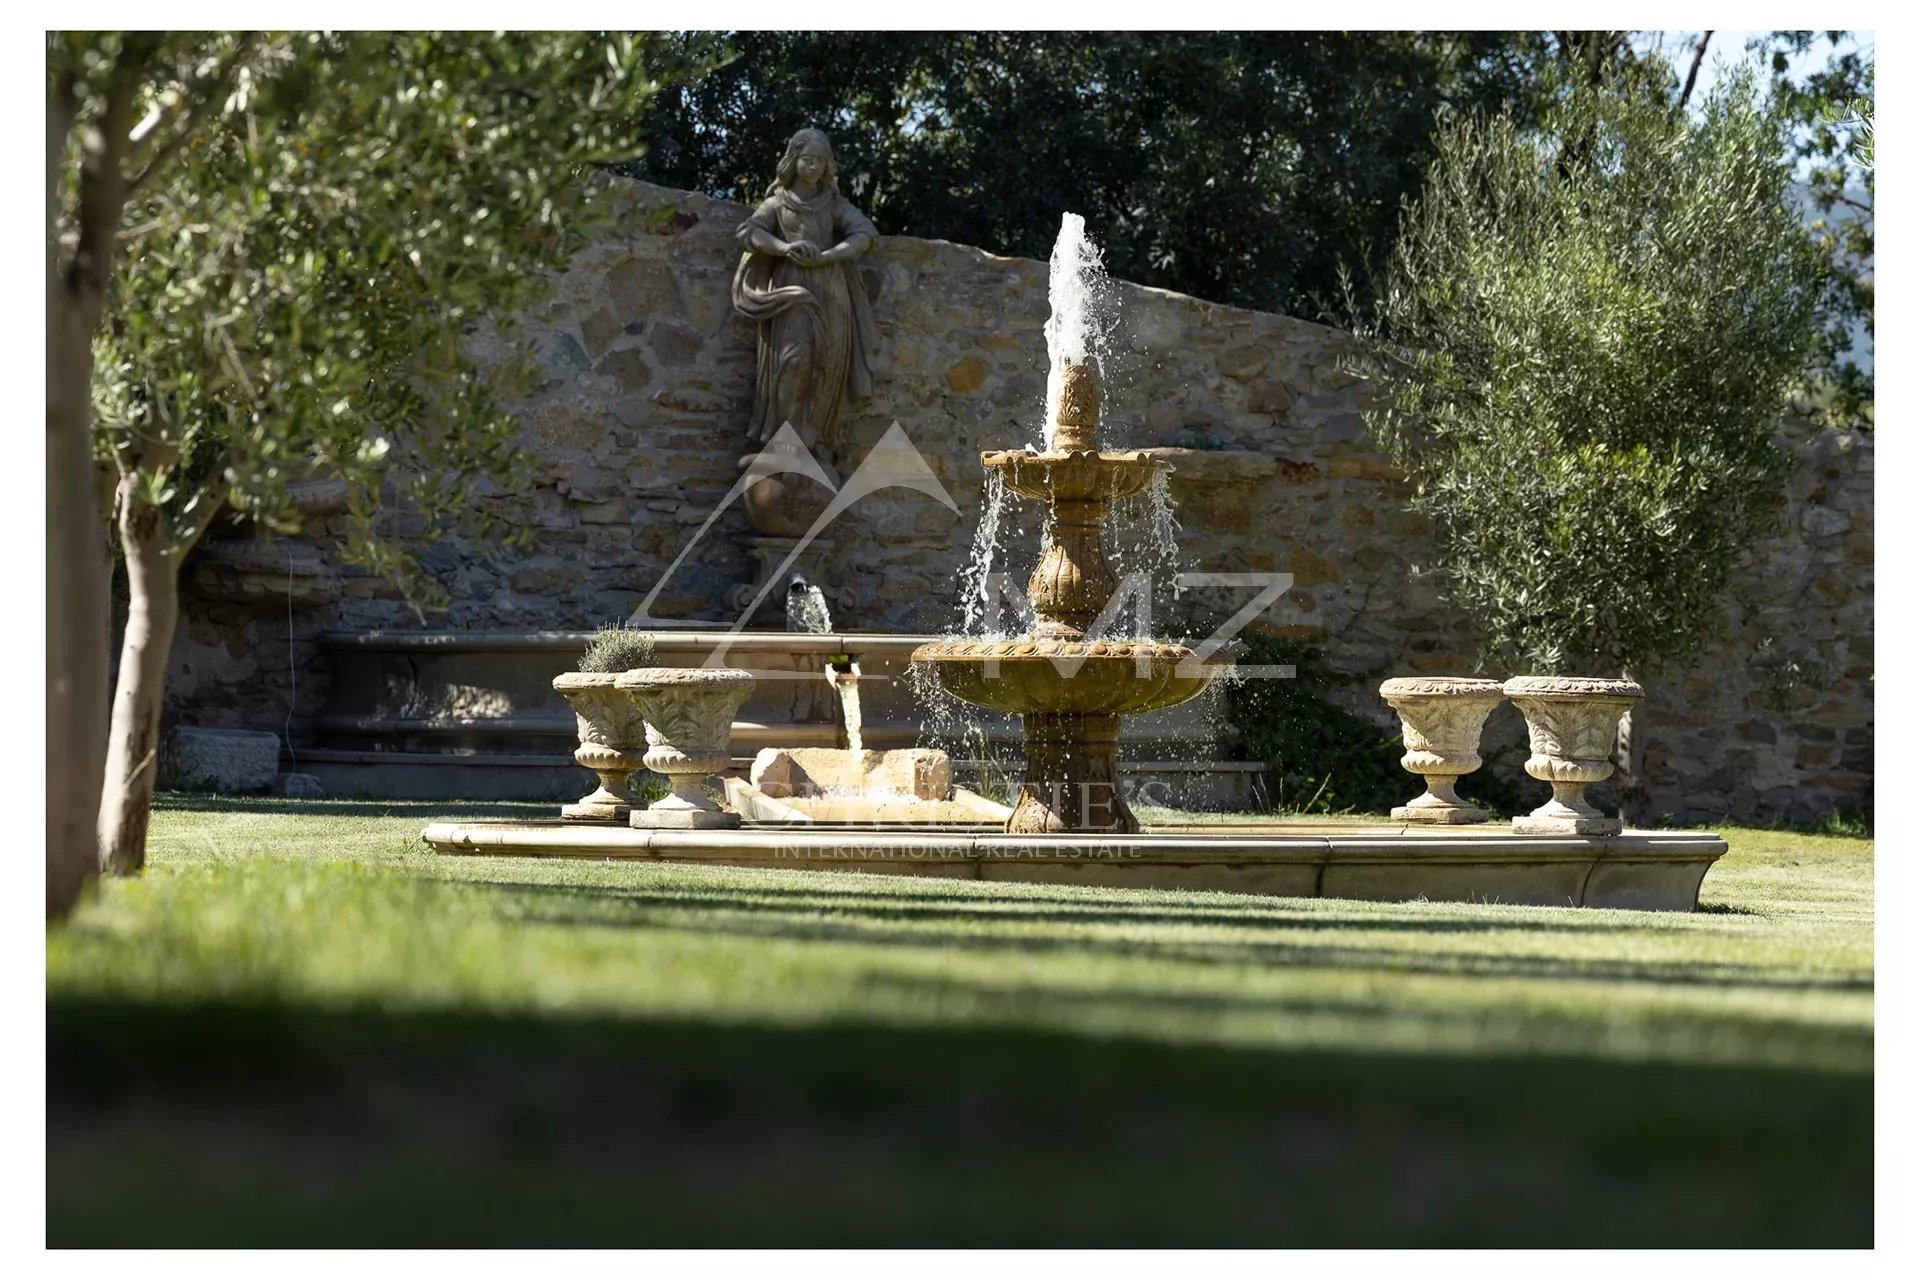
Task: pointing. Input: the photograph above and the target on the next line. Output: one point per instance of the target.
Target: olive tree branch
(183, 116)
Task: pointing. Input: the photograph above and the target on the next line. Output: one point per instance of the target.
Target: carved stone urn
(1440, 722)
(1571, 725)
(689, 727)
(612, 737)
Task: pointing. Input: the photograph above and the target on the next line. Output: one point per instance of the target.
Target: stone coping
(567, 641)
(1645, 870)
(560, 724)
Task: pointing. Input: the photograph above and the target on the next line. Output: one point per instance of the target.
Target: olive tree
(299, 291)
(119, 108)
(1586, 338)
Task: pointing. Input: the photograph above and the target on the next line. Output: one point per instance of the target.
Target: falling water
(1142, 537)
(963, 732)
(806, 608)
(849, 690)
(1162, 524)
(1081, 302)
(979, 610)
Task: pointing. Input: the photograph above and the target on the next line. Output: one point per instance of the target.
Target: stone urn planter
(1571, 724)
(1440, 722)
(689, 727)
(612, 737)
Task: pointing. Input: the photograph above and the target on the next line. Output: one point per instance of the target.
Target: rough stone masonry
(638, 427)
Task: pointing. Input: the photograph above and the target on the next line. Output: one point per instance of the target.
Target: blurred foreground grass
(300, 1027)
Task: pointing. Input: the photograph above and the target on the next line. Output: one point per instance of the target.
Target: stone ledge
(711, 633)
(1637, 870)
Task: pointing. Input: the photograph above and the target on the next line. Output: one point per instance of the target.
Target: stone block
(967, 375)
(564, 352)
(597, 331)
(227, 761)
(675, 344)
(1565, 825)
(641, 290)
(919, 772)
(627, 366)
(1269, 396)
(1242, 364)
(1824, 522)
(1310, 570)
(302, 786)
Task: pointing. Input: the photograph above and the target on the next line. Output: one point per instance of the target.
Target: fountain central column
(1072, 781)
(1073, 581)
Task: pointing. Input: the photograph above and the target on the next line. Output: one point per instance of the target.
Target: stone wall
(637, 431)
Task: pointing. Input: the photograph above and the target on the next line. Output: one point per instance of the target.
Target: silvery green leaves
(615, 649)
(1592, 328)
(299, 284)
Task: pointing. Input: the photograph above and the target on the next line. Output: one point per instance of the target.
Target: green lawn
(302, 1027)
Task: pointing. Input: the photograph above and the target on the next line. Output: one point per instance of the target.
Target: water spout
(806, 608)
(844, 675)
(1081, 303)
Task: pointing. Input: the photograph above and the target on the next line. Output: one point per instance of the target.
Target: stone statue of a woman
(797, 281)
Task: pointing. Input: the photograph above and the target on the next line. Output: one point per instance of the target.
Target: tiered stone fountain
(1069, 686)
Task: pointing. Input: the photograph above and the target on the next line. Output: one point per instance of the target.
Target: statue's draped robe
(818, 342)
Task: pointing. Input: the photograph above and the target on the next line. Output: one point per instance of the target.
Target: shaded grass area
(300, 1027)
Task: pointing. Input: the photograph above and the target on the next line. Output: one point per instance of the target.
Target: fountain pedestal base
(1071, 781)
(656, 818)
(601, 806)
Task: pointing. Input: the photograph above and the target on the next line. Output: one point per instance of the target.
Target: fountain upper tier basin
(1074, 677)
(1073, 475)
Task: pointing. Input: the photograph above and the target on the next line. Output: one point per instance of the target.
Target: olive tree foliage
(303, 290)
(1587, 334)
(1830, 110)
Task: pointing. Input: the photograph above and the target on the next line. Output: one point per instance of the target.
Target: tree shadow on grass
(926, 921)
(289, 1124)
(426, 810)
(1069, 903)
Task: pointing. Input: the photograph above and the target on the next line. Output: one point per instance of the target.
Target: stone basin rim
(678, 677)
(1029, 648)
(1128, 457)
(1573, 688)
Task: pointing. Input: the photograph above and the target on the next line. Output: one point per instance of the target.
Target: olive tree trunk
(133, 741)
(77, 612)
(77, 570)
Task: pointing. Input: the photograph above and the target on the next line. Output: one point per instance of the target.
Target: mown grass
(302, 1027)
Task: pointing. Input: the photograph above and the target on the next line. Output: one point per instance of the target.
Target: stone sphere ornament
(1571, 725)
(689, 732)
(612, 738)
(1440, 722)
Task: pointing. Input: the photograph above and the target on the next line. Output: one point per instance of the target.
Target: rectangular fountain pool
(1638, 870)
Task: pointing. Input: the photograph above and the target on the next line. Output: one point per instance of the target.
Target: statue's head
(808, 161)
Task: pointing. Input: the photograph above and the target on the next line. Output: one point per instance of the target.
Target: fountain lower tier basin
(1636, 870)
(1070, 696)
(1070, 677)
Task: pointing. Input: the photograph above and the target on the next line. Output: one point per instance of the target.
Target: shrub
(1587, 338)
(617, 648)
(1324, 758)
